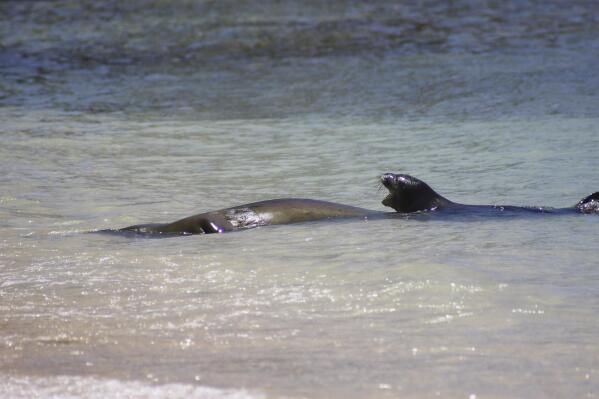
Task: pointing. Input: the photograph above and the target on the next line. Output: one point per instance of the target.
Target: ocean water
(117, 113)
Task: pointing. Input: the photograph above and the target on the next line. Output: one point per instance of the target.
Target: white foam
(70, 387)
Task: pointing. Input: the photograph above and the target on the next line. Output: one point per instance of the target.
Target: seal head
(408, 194)
(589, 204)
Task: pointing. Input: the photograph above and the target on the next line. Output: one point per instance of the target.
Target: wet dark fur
(407, 195)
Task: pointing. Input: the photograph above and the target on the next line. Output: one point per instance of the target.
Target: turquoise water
(114, 115)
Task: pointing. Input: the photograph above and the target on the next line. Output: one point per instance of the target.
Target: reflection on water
(118, 113)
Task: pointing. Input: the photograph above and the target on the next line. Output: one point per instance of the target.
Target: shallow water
(114, 115)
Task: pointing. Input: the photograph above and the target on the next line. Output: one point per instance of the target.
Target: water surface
(124, 113)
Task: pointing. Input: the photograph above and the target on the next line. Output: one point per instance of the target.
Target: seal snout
(388, 179)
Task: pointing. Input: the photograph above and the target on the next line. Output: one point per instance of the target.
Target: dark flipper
(589, 204)
(155, 230)
(200, 224)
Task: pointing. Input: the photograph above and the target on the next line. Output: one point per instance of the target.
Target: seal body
(270, 212)
(408, 194)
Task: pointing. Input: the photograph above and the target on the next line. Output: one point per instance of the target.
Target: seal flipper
(210, 227)
(589, 204)
(150, 228)
(203, 223)
(202, 226)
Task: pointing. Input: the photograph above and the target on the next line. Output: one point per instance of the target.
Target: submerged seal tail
(589, 204)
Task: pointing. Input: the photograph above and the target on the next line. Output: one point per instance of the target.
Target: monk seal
(408, 194)
(270, 212)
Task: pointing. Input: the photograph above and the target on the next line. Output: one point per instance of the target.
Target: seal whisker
(379, 184)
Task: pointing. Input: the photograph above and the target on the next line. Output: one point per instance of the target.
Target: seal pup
(270, 212)
(408, 194)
